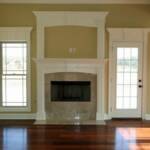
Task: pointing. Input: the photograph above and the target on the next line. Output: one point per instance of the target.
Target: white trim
(77, 1)
(19, 34)
(68, 61)
(147, 117)
(138, 35)
(107, 116)
(15, 116)
(66, 18)
(15, 33)
(93, 66)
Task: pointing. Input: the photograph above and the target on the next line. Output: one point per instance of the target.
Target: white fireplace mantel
(93, 66)
(49, 65)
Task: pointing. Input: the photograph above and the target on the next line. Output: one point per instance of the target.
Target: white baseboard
(147, 117)
(107, 116)
(16, 116)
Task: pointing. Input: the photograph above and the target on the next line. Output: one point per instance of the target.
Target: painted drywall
(59, 40)
(119, 16)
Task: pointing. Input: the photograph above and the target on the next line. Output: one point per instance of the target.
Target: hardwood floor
(115, 135)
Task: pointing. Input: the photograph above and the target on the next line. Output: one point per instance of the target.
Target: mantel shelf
(68, 61)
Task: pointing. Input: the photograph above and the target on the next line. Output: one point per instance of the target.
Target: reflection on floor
(133, 138)
(14, 138)
(115, 135)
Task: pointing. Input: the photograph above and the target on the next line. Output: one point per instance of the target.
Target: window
(127, 77)
(15, 69)
(14, 72)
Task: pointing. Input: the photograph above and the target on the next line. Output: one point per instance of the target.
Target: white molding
(16, 116)
(15, 33)
(107, 116)
(72, 65)
(15, 109)
(130, 35)
(68, 61)
(72, 18)
(12, 34)
(77, 1)
(147, 117)
(95, 66)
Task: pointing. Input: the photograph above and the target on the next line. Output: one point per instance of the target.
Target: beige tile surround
(68, 111)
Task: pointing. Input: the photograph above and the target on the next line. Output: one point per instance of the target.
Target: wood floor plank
(115, 135)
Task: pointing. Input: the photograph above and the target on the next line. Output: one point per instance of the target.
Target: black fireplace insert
(73, 91)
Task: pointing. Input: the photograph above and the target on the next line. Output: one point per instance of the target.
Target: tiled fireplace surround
(70, 69)
(70, 111)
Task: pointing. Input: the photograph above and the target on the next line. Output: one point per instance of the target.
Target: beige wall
(58, 40)
(119, 16)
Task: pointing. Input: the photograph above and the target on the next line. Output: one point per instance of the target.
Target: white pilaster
(100, 93)
(41, 115)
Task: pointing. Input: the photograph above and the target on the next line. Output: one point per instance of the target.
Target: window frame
(18, 34)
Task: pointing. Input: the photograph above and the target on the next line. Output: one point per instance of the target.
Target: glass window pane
(133, 90)
(13, 93)
(120, 78)
(120, 90)
(127, 78)
(127, 53)
(134, 78)
(127, 66)
(126, 102)
(14, 74)
(127, 75)
(134, 66)
(119, 102)
(126, 90)
(120, 66)
(133, 102)
(134, 54)
(14, 59)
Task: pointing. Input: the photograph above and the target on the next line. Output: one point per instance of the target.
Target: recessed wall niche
(59, 39)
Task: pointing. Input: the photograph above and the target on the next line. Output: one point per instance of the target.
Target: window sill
(15, 109)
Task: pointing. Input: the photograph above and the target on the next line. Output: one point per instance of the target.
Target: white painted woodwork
(12, 34)
(46, 65)
(130, 36)
(86, 19)
(92, 66)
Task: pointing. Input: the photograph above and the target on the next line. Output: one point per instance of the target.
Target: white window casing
(18, 34)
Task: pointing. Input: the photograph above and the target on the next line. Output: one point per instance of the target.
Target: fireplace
(70, 91)
(70, 94)
(94, 66)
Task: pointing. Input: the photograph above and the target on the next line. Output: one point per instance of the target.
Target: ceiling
(77, 1)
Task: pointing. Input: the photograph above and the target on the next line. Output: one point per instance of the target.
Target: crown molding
(75, 1)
